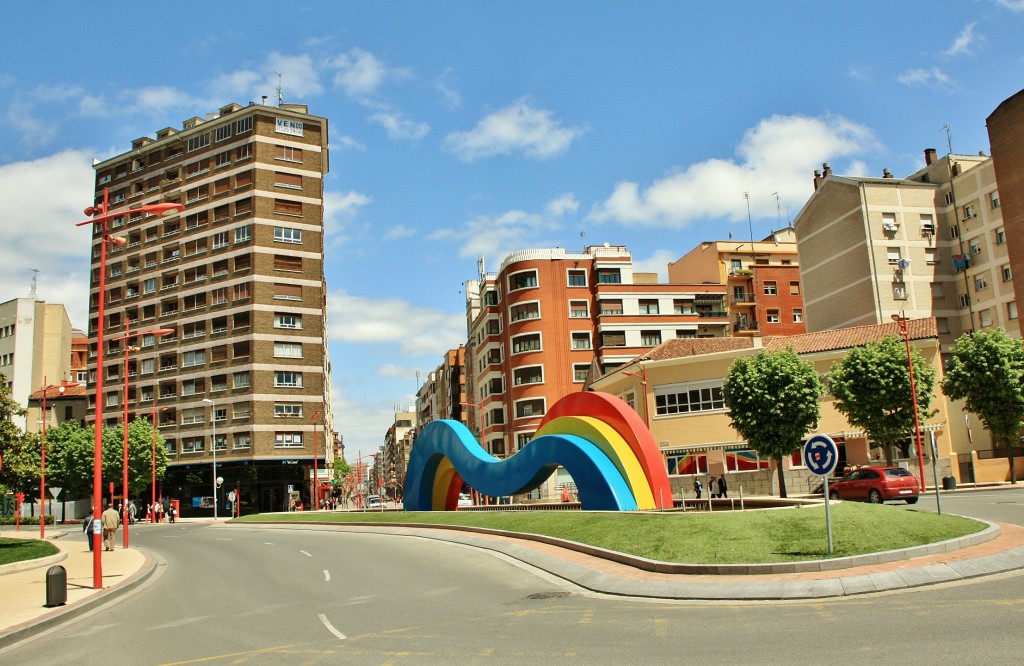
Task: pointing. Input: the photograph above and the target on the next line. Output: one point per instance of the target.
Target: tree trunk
(1013, 470)
(782, 478)
(887, 447)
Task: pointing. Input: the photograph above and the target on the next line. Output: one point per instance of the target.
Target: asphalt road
(231, 595)
(998, 506)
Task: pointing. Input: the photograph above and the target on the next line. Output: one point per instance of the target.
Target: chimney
(886, 173)
(826, 169)
(817, 178)
(930, 156)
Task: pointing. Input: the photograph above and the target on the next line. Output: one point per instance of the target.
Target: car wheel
(833, 495)
(911, 500)
(875, 497)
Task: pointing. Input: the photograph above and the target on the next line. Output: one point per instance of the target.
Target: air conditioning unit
(927, 228)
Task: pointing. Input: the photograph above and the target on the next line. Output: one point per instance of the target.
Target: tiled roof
(54, 393)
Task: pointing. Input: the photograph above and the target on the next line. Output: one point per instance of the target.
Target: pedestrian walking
(87, 526)
(110, 521)
(171, 513)
(132, 513)
(712, 487)
(723, 489)
(697, 487)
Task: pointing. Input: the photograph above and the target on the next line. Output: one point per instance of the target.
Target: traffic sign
(820, 455)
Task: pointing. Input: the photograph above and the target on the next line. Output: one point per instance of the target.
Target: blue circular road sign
(821, 455)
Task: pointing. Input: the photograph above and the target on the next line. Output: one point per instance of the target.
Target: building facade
(763, 279)
(1006, 138)
(243, 377)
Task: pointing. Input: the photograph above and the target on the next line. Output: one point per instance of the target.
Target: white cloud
(563, 204)
(359, 74)
(964, 41)
(399, 231)
(339, 207)
(395, 371)
(43, 200)
(931, 78)
(347, 142)
(416, 330)
(399, 127)
(656, 263)
(778, 155)
(451, 97)
(520, 127)
(1012, 5)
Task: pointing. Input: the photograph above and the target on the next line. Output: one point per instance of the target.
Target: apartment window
(289, 180)
(579, 372)
(243, 125)
(222, 159)
(969, 212)
(533, 374)
(613, 339)
(1000, 236)
(526, 343)
(1011, 310)
(899, 291)
(611, 306)
(931, 256)
(242, 441)
(648, 306)
(682, 307)
(242, 291)
(219, 296)
(794, 288)
(243, 234)
(609, 276)
(243, 152)
(286, 320)
(579, 309)
(993, 199)
(287, 235)
(524, 280)
(965, 300)
(1007, 275)
(980, 283)
(942, 325)
(223, 132)
(521, 311)
(288, 153)
(221, 186)
(975, 246)
(149, 286)
(771, 288)
(889, 223)
(288, 440)
(240, 380)
(894, 255)
(199, 141)
(927, 224)
(193, 302)
(220, 240)
(650, 338)
(287, 350)
(148, 366)
(283, 262)
(581, 340)
(288, 379)
(577, 278)
(285, 207)
(772, 316)
(689, 397)
(937, 290)
(735, 266)
(193, 358)
(954, 231)
(288, 411)
(798, 316)
(985, 318)
(530, 408)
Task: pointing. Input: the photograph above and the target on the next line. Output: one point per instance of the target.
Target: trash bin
(56, 586)
(949, 483)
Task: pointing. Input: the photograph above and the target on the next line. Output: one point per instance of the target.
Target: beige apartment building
(243, 378)
(931, 244)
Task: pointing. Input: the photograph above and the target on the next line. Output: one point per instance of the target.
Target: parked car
(876, 485)
(373, 501)
(465, 500)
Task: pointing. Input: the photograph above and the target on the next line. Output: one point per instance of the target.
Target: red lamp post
(316, 476)
(901, 320)
(127, 352)
(100, 215)
(152, 490)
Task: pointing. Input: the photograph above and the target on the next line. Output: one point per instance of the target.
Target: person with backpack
(87, 527)
(723, 488)
(697, 486)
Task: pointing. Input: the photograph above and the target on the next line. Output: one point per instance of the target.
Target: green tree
(19, 459)
(140, 456)
(986, 370)
(69, 460)
(773, 403)
(872, 389)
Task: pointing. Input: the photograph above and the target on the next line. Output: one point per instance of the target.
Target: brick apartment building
(238, 277)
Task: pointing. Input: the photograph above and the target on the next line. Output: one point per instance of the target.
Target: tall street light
(127, 352)
(213, 447)
(100, 215)
(316, 477)
(152, 490)
(901, 320)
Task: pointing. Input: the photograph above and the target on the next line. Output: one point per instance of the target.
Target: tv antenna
(35, 275)
(280, 90)
(949, 137)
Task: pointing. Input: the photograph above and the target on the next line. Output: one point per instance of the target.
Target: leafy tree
(872, 389)
(140, 455)
(773, 402)
(986, 370)
(17, 463)
(69, 460)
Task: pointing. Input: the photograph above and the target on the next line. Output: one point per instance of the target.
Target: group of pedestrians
(110, 520)
(716, 487)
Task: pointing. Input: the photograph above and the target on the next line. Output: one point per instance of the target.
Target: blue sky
(463, 129)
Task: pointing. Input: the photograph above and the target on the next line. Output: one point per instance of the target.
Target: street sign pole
(828, 516)
(820, 456)
(935, 472)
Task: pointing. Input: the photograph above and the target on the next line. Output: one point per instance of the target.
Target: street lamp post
(213, 448)
(100, 215)
(152, 490)
(901, 320)
(316, 477)
(127, 352)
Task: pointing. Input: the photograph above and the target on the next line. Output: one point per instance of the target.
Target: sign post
(935, 472)
(820, 457)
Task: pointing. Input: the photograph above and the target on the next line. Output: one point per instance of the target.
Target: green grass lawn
(778, 535)
(16, 550)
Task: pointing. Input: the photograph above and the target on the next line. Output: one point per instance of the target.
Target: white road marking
(268, 543)
(327, 575)
(330, 627)
(305, 553)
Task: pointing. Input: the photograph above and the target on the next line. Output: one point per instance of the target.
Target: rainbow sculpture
(598, 438)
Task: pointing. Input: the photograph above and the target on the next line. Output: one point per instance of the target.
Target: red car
(876, 485)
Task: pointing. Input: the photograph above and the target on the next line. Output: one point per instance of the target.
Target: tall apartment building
(239, 278)
(35, 350)
(763, 280)
(443, 394)
(931, 244)
(1006, 138)
(539, 324)
(392, 462)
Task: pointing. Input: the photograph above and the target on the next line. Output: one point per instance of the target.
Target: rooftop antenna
(35, 275)
(750, 226)
(280, 91)
(583, 239)
(778, 208)
(949, 137)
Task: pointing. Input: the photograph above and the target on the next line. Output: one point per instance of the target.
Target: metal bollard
(56, 586)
